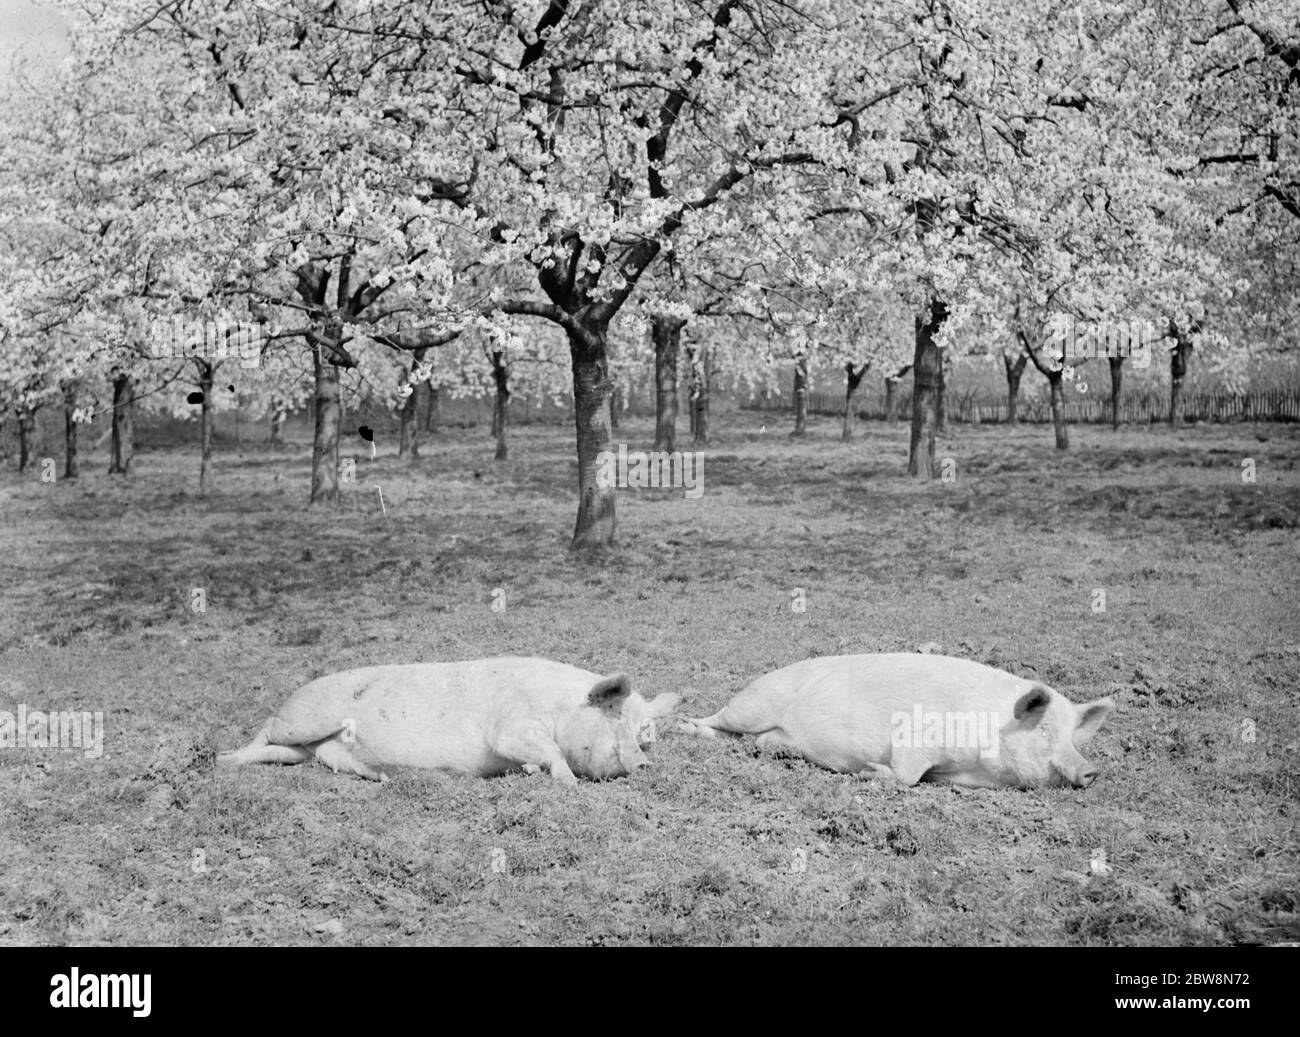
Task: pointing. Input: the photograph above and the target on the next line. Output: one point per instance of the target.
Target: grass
(1188, 837)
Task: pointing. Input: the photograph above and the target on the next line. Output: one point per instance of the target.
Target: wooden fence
(1139, 408)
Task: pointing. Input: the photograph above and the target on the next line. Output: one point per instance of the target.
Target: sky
(30, 29)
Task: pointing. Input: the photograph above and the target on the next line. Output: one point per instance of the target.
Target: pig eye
(1047, 733)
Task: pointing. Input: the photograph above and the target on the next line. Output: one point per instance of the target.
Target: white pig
(918, 717)
(483, 716)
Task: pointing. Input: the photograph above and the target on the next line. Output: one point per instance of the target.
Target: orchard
(672, 338)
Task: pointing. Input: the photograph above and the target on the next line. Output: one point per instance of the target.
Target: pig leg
(705, 727)
(778, 743)
(286, 754)
(749, 713)
(908, 764)
(260, 750)
(338, 757)
(526, 742)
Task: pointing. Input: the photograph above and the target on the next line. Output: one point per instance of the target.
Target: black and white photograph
(651, 473)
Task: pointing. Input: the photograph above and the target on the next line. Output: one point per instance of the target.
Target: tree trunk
(431, 408)
(70, 466)
(941, 397)
(122, 445)
(615, 405)
(206, 416)
(1177, 372)
(851, 382)
(800, 394)
(501, 413)
(702, 373)
(1116, 383)
(26, 430)
(1057, 382)
(591, 392)
(279, 412)
(329, 418)
(666, 332)
(409, 428)
(926, 364)
(1014, 369)
(408, 438)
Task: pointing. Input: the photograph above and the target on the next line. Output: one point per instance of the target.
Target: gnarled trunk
(408, 441)
(408, 436)
(800, 394)
(122, 445)
(501, 411)
(329, 419)
(1177, 372)
(666, 333)
(1116, 384)
(431, 408)
(206, 417)
(926, 364)
(941, 397)
(279, 412)
(26, 430)
(70, 466)
(1057, 382)
(1014, 368)
(615, 406)
(701, 376)
(591, 392)
(852, 379)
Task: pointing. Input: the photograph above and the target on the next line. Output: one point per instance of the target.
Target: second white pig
(919, 718)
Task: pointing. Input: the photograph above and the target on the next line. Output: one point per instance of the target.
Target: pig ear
(1031, 706)
(1089, 717)
(609, 692)
(662, 705)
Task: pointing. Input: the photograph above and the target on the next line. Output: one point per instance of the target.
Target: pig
(917, 718)
(482, 716)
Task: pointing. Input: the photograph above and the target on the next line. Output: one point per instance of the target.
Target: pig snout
(1079, 773)
(632, 759)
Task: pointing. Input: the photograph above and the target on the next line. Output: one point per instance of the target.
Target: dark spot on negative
(366, 433)
(194, 397)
